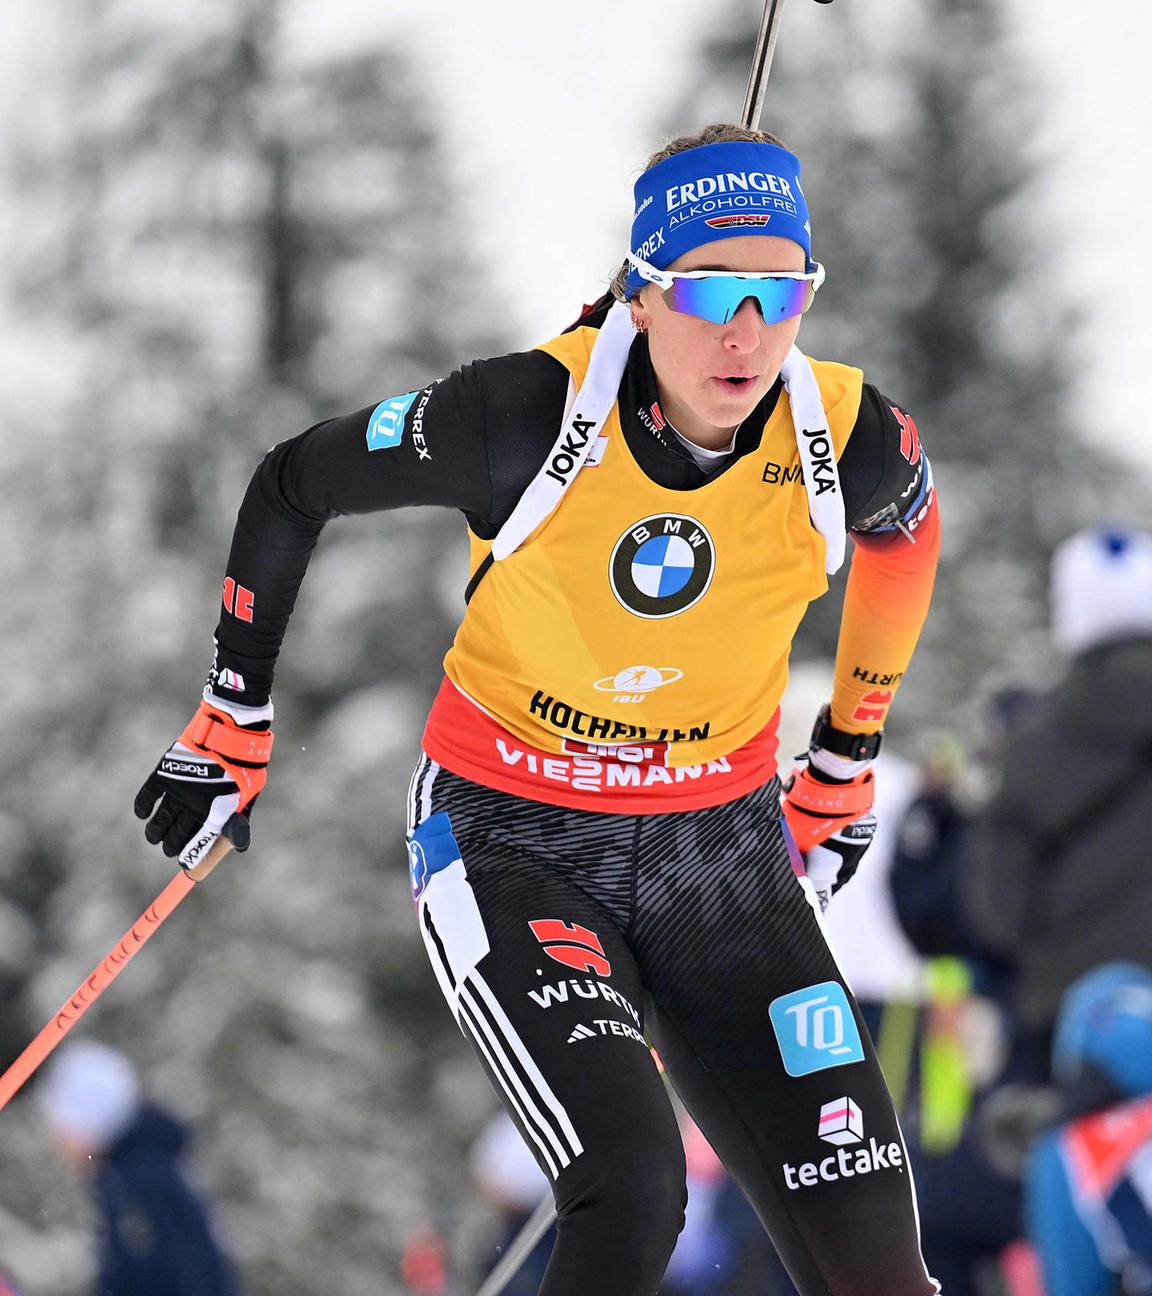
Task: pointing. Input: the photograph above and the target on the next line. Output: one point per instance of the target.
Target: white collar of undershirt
(706, 460)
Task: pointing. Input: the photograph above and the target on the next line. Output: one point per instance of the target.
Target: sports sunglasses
(716, 295)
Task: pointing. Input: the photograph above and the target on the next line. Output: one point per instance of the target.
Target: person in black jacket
(969, 1212)
(156, 1238)
(929, 860)
(1057, 875)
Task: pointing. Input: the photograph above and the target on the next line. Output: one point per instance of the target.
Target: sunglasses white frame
(666, 278)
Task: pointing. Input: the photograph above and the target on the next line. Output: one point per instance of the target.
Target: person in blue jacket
(1089, 1188)
(155, 1237)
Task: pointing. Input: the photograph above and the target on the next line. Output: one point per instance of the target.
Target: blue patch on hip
(431, 848)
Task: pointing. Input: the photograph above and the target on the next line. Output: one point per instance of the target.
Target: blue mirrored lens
(718, 299)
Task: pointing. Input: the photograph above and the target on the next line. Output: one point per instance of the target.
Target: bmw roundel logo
(662, 565)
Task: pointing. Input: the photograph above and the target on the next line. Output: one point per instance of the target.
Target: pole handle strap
(843, 800)
(208, 733)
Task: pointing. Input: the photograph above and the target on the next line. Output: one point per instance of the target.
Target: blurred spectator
(936, 1040)
(970, 1211)
(1090, 1181)
(929, 861)
(423, 1264)
(926, 857)
(155, 1236)
(1057, 878)
(511, 1182)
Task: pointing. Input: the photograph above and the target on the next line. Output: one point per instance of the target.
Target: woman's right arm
(468, 443)
(425, 447)
(461, 443)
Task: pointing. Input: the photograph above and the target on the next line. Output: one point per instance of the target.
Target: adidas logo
(605, 1026)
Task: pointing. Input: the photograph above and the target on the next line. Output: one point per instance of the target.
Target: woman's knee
(634, 1197)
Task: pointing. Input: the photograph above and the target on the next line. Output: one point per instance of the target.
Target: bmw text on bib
(662, 565)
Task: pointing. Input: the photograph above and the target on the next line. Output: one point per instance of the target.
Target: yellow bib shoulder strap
(593, 403)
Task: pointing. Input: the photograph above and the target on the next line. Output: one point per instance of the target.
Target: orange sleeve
(885, 604)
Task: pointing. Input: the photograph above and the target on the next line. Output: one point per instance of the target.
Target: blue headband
(717, 191)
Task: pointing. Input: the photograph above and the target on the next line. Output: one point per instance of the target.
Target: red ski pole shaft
(106, 972)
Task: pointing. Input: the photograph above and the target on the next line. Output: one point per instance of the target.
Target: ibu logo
(815, 1029)
(386, 426)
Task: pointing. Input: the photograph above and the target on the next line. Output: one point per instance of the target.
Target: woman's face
(711, 376)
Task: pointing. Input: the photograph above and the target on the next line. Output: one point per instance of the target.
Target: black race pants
(562, 937)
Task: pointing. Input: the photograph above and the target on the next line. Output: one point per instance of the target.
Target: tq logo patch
(662, 565)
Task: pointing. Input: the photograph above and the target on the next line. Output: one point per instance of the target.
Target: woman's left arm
(896, 533)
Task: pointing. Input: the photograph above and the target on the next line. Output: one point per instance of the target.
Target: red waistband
(619, 778)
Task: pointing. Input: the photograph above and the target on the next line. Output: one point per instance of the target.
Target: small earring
(638, 326)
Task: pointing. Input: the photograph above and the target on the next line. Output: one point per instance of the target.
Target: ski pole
(762, 62)
(107, 971)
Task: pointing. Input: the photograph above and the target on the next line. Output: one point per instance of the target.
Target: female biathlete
(596, 842)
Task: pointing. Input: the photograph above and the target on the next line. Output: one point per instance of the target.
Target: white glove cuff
(836, 766)
(243, 715)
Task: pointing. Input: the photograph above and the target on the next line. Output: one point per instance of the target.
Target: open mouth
(736, 380)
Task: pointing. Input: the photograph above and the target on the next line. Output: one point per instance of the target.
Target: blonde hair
(717, 133)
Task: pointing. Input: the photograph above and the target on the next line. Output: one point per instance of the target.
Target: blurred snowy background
(222, 222)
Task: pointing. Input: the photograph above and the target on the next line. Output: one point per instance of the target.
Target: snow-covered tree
(222, 241)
